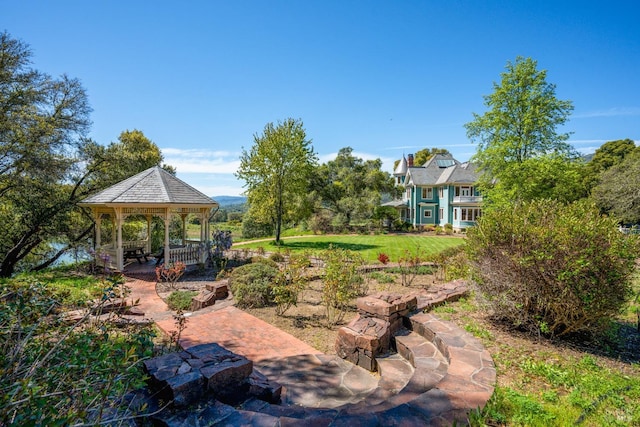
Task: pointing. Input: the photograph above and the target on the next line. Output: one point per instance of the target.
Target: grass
(395, 246)
(71, 289)
(544, 382)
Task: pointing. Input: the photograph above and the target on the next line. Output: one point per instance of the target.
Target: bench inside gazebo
(151, 193)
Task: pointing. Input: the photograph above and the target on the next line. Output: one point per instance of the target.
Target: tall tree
(133, 152)
(47, 165)
(520, 153)
(276, 172)
(349, 186)
(617, 191)
(43, 121)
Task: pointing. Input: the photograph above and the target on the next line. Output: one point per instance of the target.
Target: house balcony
(467, 199)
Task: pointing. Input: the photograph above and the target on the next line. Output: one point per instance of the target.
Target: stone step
(418, 351)
(395, 372)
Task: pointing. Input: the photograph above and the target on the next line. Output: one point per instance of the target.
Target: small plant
(180, 300)
(448, 229)
(174, 337)
(409, 266)
(382, 277)
(171, 273)
(383, 258)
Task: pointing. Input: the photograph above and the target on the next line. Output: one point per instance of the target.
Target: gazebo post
(167, 222)
(184, 228)
(98, 228)
(148, 245)
(119, 252)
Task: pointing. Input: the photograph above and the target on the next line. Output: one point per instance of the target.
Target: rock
(263, 389)
(227, 373)
(186, 388)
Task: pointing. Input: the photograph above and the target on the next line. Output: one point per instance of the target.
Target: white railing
(467, 199)
(189, 255)
(130, 244)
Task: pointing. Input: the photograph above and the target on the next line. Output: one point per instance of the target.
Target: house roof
(461, 173)
(401, 169)
(433, 169)
(152, 186)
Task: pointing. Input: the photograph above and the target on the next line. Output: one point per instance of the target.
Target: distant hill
(229, 200)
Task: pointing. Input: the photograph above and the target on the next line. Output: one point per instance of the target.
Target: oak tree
(350, 187)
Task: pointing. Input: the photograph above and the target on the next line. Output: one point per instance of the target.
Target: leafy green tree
(42, 121)
(132, 153)
(47, 165)
(350, 187)
(617, 193)
(521, 154)
(611, 153)
(276, 172)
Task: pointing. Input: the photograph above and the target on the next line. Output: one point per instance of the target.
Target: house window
(464, 191)
(471, 214)
(427, 193)
(427, 213)
(441, 192)
(455, 214)
(441, 213)
(408, 192)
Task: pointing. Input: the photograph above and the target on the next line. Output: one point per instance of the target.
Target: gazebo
(151, 193)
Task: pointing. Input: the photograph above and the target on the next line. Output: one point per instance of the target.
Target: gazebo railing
(189, 254)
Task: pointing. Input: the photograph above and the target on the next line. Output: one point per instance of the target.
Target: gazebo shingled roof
(154, 185)
(153, 192)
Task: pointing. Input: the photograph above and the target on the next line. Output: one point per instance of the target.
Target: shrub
(409, 266)
(451, 263)
(170, 273)
(180, 300)
(448, 228)
(263, 260)
(341, 283)
(54, 373)
(276, 257)
(553, 268)
(251, 228)
(290, 283)
(251, 284)
(383, 258)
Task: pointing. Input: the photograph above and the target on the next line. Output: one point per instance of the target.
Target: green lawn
(368, 246)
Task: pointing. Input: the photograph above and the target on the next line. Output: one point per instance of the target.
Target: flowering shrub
(383, 258)
(171, 273)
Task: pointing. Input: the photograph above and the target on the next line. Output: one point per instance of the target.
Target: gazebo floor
(145, 270)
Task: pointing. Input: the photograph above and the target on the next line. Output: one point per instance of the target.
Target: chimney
(410, 160)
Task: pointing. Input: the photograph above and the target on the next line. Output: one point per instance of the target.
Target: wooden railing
(189, 255)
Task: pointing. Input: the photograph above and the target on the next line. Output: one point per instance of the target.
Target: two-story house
(439, 192)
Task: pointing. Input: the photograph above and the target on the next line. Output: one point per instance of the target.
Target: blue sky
(200, 78)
